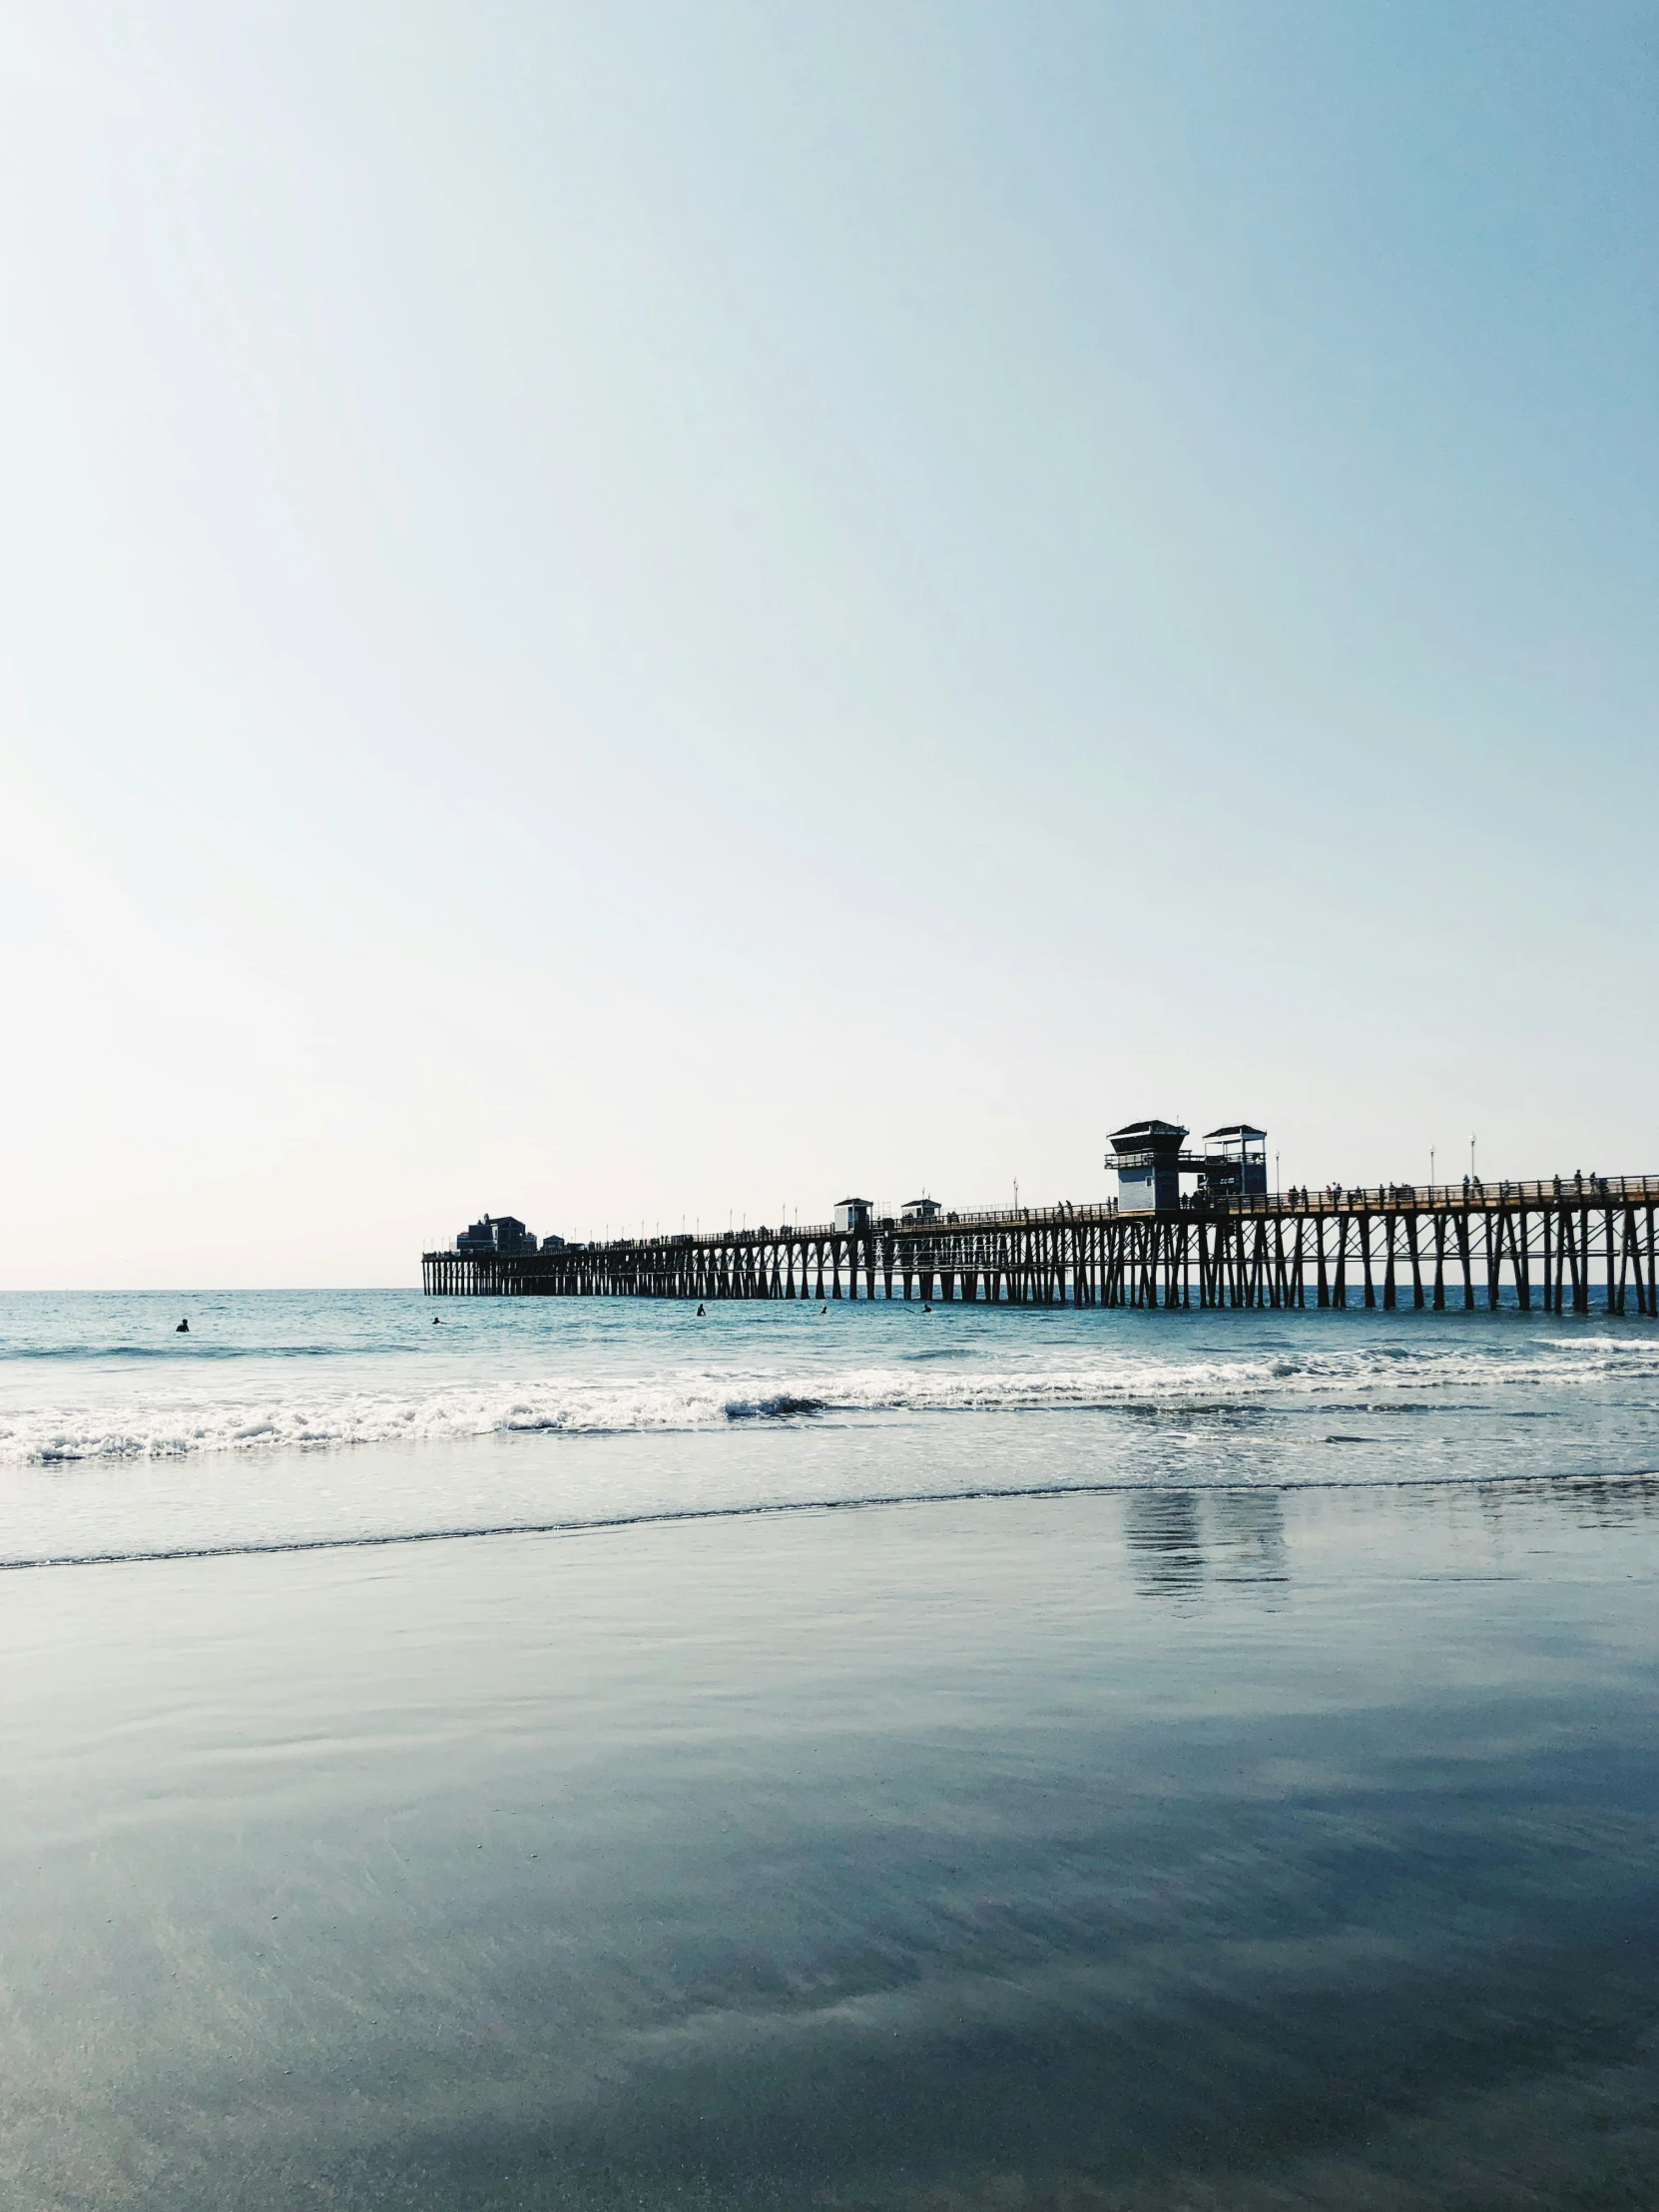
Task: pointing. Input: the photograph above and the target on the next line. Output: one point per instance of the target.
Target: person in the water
(183, 1329)
(700, 1314)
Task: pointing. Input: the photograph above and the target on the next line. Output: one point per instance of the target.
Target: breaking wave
(1356, 1378)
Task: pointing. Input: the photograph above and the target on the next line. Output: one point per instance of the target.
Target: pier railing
(1373, 1197)
(1556, 1190)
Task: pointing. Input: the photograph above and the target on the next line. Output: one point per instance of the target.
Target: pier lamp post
(1431, 1167)
(1471, 1159)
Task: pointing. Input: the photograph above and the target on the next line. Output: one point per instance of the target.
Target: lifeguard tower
(1148, 1158)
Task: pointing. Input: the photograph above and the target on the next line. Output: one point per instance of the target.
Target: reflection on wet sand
(1621, 1500)
(1604, 1500)
(1248, 1532)
(1166, 1547)
(1179, 1539)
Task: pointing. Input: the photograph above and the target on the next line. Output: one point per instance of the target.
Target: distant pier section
(1564, 1244)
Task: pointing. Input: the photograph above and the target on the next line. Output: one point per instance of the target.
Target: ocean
(469, 1754)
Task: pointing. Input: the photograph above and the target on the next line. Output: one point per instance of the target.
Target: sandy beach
(1239, 1847)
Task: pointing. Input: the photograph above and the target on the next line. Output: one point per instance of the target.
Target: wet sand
(1164, 1849)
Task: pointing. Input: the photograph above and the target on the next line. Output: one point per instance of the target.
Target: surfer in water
(183, 1329)
(701, 1315)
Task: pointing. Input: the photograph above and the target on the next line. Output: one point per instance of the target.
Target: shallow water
(295, 1417)
(1248, 1819)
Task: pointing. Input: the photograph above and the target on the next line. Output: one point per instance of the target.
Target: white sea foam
(134, 1422)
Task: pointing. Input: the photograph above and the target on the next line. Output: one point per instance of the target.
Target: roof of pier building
(1148, 1136)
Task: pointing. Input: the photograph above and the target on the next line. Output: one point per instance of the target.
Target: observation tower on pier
(1150, 1164)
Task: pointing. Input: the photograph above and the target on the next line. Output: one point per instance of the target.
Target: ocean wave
(1350, 1378)
(198, 1349)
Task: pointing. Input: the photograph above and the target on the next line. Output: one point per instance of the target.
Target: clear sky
(627, 613)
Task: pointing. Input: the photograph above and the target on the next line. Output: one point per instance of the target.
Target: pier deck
(1556, 1246)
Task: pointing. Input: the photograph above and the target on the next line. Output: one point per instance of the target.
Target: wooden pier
(1561, 1246)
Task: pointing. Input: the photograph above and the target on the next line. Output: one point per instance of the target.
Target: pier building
(503, 1232)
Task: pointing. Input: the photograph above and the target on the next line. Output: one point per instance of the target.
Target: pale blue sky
(630, 612)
